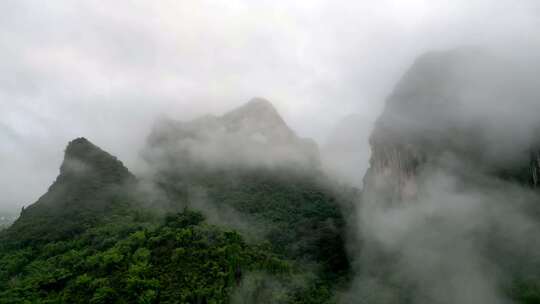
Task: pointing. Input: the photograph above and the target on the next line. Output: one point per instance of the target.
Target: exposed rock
(535, 168)
(84, 160)
(462, 106)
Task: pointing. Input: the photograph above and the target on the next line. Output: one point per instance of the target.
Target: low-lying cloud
(106, 71)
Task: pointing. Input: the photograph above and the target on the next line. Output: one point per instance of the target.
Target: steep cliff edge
(535, 168)
(458, 110)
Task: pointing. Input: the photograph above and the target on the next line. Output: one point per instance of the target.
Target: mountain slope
(253, 135)
(274, 184)
(449, 210)
(181, 259)
(87, 240)
(91, 184)
(264, 181)
(464, 106)
(274, 232)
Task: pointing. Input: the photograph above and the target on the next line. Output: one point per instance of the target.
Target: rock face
(392, 175)
(84, 160)
(459, 110)
(252, 136)
(91, 183)
(535, 168)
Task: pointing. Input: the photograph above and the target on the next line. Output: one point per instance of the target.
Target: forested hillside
(217, 234)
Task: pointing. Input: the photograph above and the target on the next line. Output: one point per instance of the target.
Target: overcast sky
(106, 69)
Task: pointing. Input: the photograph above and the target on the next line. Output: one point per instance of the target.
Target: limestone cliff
(458, 110)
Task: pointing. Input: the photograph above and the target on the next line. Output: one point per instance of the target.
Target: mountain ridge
(101, 235)
(91, 183)
(252, 135)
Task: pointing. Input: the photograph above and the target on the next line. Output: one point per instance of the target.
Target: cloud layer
(106, 70)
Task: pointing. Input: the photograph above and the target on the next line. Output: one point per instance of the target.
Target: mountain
(249, 171)
(258, 224)
(89, 240)
(450, 210)
(253, 135)
(90, 185)
(237, 208)
(465, 106)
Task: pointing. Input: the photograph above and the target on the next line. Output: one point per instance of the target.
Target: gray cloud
(106, 70)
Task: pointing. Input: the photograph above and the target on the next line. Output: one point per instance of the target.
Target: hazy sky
(106, 69)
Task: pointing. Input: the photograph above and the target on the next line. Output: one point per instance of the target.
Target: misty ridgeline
(238, 208)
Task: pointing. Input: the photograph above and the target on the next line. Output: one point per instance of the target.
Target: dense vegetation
(91, 184)
(181, 260)
(90, 240)
(136, 258)
(299, 214)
